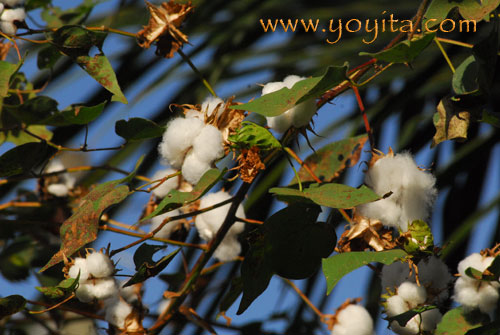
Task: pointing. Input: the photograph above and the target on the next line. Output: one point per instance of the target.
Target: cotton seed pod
(99, 265)
(79, 266)
(353, 319)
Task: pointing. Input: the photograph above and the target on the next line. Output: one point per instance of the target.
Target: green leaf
(492, 273)
(144, 254)
(329, 194)
(56, 17)
(469, 9)
(48, 57)
(291, 244)
(234, 292)
(455, 322)
(23, 158)
(20, 137)
(176, 199)
(61, 290)
(75, 114)
(420, 237)
(489, 329)
(16, 258)
(33, 4)
(11, 305)
(6, 71)
(253, 135)
(76, 42)
(473, 273)
(451, 122)
(491, 118)
(465, 79)
(137, 129)
(150, 269)
(328, 162)
(339, 265)
(403, 52)
(35, 110)
(403, 318)
(276, 103)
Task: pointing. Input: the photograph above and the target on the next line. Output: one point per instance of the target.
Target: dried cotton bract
(352, 320)
(413, 191)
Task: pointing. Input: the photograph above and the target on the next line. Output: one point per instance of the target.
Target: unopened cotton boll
(208, 145)
(228, 249)
(178, 138)
(413, 191)
(104, 288)
(194, 167)
(167, 228)
(352, 320)
(210, 104)
(79, 266)
(168, 185)
(413, 294)
(117, 312)
(99, 265)
(208, 223)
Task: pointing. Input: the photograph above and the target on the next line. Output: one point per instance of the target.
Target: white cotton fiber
(413, 294)
(272, 87)
(193, 168)
(475, 261)
(281, 122)
(208, 223)
(8, 27)
(128, 293)
(434, 273)
(395, 305)
(210, 104)
(353, 319)
(168, 185)
(99, 265)
(167, 228)
(302, 113)
(393, 275)
(117, 311)
(193, 113)
(208, 145)
(103, 288)
(426, 322)
(79, 266)
(11, 15)
(85, 292)
(473, 294)
(228, 249)
(291, 80)
(1, 7)
(58, 190)
(488, 297)
(413, 191)
(178, 138)
(12, 3)
(67, 180)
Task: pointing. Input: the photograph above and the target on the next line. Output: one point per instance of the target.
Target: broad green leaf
(276, 103)
(147, 269)
(176, 199)
(465, 79)
(76, 42)
(137, 129)
(330, 195)
(144, 254)
(48, 57)
(75, 114)
(403, 52)
(61, 290)
(234, 292)
(454, 322)
(20, 137)
(328, 162)
(35, 110)
(11, 305)
(6, 71)
(16, 258)
(451, 122)
(56, 17)
(81, 228)
(489, 329)
(23, 158)
(469, 9)
(337, 266)
(474, 273)
(403, 318)
(253, 135)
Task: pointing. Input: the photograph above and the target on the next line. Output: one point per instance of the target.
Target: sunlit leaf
(251, 135)
(61, 290)
(403, 52)
(469, 9)
(455, 322)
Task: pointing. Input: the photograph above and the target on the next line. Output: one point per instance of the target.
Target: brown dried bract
(163, 26)
(249, 164)
(4, 50)
(377, 154)
(365, 233)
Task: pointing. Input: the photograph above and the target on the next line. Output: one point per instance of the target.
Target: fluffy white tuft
(79, 266)
(168, 228)
(193, 113)
(291, 80)
(395, 305)
(99, 265)
(11, 15)
(393, 275)
(103, 288)
(194, 168)
(413, 191)
(427, 322)
(128, 293)
(178, 138)
(209, 222)
(272, 87)
(413, 294)
(7, 27)
(474, 294)
(228, 249)
(168, 185)
(85, 292)
(1, 7)
(208, 145)
(434, 273)
(117, 311)
(59, 190)
(353, 319)
(475, 261)
(67, 180)
(12, 3)
(210, 104)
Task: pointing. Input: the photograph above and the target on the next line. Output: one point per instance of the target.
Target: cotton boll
(104, 288)
(488, 297)
(353, 319)
(303, 113)
(427, 321)
(85, 292)
(385, 210)
(167, 228)
(393, 275)
(228, 250)
(282, 122)
(208, 145)
(475, 261)
(11, 15)
(194, 167)
(128, 293)
(117, 312)
(210, 104)
(1, 7)
(168, 185)
(291, 80)
(395, 305)
(272, 87)
(59, 190)
(178, 138)
(12, 3)
(99, 265)
(435, 273)
(208, 223)
(413, 294)
(79, 266)
(411, 328)
(193, 113)
(466, 292)
(7, 27)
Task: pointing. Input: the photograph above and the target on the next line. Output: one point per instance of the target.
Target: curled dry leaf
(249, 164)
(163, 26)
(377, 154)
(4, 50)
(364, 233)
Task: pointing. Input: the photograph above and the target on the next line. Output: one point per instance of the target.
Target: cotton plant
(11, 12)
(297, 116)
(352, 319)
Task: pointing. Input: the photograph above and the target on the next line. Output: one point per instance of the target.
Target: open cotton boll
(272, 87)
(167, 228)
(281, 122)
(474, 294)
(194, 167)
(128, 293)
(413, 294)
(12, 3)
(228, 249)
(475, 261)
(59, 190)
(178, 138)
(117, 312)
(168, 185)
(79, 266)
(1, 7)
(193, 113)
(426, 322)
(85, 292)
(210, 104)
(99, 265)
(104, 288)
(395, 305)
(208, 145)
(434, 273)
(385, 210)
(8, 27)
(291, 80)
(353, 319)
(393, 275)
(208, 223)
(11, 15)
(488, 297)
